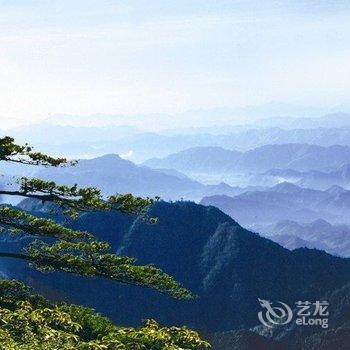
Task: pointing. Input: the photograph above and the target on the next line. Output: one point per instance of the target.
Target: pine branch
(18, 221)
(93, 259)
(73, 251)
(24, 154)
(73, 199)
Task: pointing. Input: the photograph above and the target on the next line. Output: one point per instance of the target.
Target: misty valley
(174, 175)
(234, 226)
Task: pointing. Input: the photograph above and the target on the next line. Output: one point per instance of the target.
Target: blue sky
(124, 57)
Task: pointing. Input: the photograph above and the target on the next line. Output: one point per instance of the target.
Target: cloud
(127, 155)
(89, 57)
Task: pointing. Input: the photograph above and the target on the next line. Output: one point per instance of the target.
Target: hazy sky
(97, 56)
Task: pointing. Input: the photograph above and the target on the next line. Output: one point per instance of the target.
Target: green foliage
(12, 292)
(29, 321)
(74, 199)
(10, 151)
(18, 221)
(94, 258)
(76, 251)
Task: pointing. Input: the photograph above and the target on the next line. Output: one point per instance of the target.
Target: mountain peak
(335, 189)
(109, 156)
(285, 187)
(320, 223)
(223, 185)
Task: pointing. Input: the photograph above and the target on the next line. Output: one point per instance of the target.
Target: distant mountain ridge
(112, 175)
(332, 120)
(301, 157)
(199, 159)
(313, 178)
(285, 201)
(319, 234)
(140, 145)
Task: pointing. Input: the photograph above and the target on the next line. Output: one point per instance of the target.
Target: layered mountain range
(273, 223)
(285, 201)
(320, 234)
(311, 179)
(227, 266)
(112, 174)
(300, 157)
(92, 141)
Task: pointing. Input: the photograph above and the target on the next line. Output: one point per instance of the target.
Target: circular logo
(274, 315)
